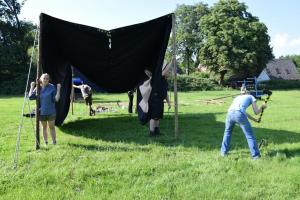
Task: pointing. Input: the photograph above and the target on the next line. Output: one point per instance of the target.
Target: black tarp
(114, 60)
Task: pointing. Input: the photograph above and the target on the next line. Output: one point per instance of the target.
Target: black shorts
(88, 100)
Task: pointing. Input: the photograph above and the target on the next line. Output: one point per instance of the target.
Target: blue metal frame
(252, 86)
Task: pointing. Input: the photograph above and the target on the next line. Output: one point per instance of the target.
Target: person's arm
(31, 93)
(77, 86)
(257, 110)
(251, 118)
(57, 96)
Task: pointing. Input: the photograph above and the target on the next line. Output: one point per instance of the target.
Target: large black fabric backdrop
(114, 60)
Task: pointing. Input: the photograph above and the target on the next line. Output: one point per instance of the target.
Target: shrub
(194, 83)
(15, 86)
(282, 84)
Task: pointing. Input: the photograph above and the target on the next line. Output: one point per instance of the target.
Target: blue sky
(281, 17)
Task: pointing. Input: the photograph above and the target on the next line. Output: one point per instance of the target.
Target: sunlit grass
(110, 156)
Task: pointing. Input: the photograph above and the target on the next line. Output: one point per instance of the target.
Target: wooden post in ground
(175, 76)
(72, 92)
(38, 88)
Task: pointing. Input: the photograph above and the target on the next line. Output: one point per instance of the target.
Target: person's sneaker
(54, 142)
(223, 154)
(152, 134)
(256, 157)
(46, 142)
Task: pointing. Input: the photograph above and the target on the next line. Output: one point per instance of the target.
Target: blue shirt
(47, 99)
(242, 102)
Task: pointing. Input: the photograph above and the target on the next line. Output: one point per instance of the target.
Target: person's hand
(32, 84)
(264, 106)
(58, 86)
(38, 81)
(57, 96)
(169, 106)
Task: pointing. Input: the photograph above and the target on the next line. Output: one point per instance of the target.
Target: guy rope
(16, 156)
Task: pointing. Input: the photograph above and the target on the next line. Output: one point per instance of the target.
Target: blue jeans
(234, 117)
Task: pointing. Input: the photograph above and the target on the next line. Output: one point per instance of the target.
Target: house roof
(282, 69)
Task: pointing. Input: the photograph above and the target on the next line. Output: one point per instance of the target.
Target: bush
(194, 83)
(15, 86)
(282, 84)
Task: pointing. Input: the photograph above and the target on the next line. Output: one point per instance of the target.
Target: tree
(234, 41)
(10, 10)
(188, 37)
(295, 58)
(16, 37)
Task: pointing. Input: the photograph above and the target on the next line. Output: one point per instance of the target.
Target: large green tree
(235, 41)
(16, 37)
(188, 35)
(295, 58)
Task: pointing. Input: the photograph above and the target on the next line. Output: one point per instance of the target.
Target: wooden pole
(175, 77)
(72, 92)
(38, 88)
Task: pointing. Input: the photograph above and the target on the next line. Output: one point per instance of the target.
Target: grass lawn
(110, 156)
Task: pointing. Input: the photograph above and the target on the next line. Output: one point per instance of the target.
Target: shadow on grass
(196, 130)
(285, 153)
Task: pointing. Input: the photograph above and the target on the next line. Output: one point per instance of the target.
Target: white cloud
(283, 44)
(295, 42)
(281, 40)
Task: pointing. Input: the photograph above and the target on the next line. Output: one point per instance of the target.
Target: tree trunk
(187, 70)
(222, 75)
(197, 62)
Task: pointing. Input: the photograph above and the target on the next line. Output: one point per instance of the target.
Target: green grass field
(110, 156)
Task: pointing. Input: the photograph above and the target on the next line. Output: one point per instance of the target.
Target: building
(279, 69)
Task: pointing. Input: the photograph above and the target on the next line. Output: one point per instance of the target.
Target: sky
(280, 17)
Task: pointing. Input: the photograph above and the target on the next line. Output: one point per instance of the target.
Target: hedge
(282, 84)
(194, 83)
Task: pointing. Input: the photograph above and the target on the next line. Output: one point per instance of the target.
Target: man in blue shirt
(237, 114)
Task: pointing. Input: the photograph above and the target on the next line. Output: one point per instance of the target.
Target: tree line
(16, 38)
(225, 38)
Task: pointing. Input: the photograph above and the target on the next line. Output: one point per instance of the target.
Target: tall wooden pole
(175, 77)
(38, 89)
(72, 92)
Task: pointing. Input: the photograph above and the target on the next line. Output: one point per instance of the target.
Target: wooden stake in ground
(175, 77)
(72, 92)
(38, 88)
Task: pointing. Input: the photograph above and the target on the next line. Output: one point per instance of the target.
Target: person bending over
(237, 114)
(86, 92)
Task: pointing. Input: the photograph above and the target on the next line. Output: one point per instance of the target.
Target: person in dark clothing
(86, 92)
(130, 97)
(157, 114)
